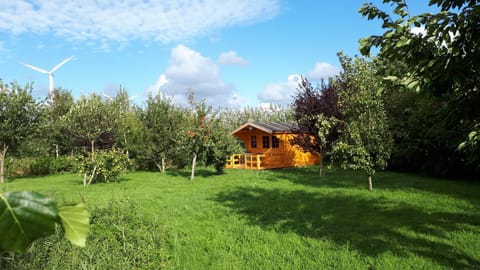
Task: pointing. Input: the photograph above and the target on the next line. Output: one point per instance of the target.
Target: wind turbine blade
(61, 64)
(50, 80)
(36, 68)
(107, 96)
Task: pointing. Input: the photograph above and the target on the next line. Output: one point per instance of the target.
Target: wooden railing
(246, 161)
(235, 161)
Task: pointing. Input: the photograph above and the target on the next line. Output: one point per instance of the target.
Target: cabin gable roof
(270, 128)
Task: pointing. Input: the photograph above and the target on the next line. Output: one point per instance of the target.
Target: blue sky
(231, 52)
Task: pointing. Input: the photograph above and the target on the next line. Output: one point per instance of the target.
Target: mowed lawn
(278, 219)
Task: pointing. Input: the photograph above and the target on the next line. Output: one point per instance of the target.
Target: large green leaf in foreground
(76, 223)
(25, 217)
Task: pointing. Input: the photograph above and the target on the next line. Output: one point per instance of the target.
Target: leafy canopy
(365, 143)
(316, 112)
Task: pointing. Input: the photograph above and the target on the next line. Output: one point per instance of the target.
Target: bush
(16, 167)
(29, 166)
(63, 165)
(41, 166)
(105, 166)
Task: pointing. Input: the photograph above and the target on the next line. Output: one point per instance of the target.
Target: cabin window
(253, 141)
(275, 142)
(266, 141)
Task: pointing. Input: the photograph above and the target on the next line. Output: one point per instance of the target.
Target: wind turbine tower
(50, 74)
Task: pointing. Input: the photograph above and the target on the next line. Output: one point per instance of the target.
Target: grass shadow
(309, 176)
(186, 173)
(12, 179)
(385, 180)
(123, 178)
(372, 226)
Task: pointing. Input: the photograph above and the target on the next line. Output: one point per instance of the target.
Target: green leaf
(391, 78)
(462, 146)
(403, 41)
(25, 217)
(76, 223)
(472, 135)
(365, 46)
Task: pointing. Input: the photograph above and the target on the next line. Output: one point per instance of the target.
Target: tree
(92, 122)
(127, 124)
(365, 143)
(317, 116)
(471, 146)
(223, 145)
(207, 140)
(54, 129)
(202, 121)
(444, 57)
(440, 61)
(19, 117)
(162, 125)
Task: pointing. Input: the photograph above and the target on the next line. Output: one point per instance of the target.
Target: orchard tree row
(100, 135)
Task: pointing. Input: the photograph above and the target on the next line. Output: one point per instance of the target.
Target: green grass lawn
(278, 219)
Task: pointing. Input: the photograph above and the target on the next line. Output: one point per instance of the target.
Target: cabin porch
(257, 161)
(247, 161)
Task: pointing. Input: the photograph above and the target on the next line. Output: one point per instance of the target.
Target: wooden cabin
(268, 146)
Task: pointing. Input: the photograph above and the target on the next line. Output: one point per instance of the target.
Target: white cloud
(121, 21)
(280, 93)
(264, 106)
(231, 58)
(162, 80)
(322, 71)
(236, 101)
(188, 70)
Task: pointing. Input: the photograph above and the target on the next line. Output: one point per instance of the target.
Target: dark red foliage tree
(309, 103)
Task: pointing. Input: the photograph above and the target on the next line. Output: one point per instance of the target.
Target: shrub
(63, 165)
(41, 166)
(28, 166)
(16, 167)
(104, 166)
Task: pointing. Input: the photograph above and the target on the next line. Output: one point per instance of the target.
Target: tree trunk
(320, 172)
(159, 167)
(194, 161)
(163, 165)
(2, 163)
(125, 139)
(370, 183)
(56, 151)
(92, 176)
(92, 143)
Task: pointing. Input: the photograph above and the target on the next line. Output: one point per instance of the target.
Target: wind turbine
(50, 74)
(107, 96)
